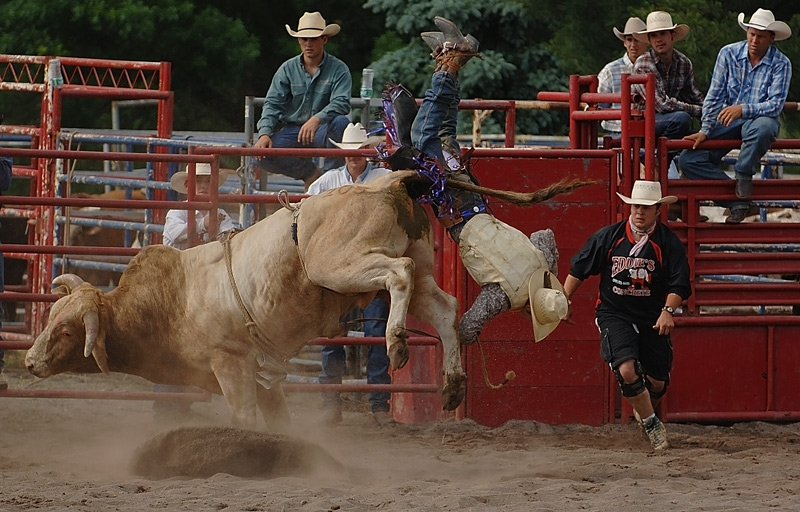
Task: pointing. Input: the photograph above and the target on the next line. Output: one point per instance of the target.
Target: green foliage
(222, 51)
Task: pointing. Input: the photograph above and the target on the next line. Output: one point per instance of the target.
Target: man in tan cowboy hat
(644, 278)
(357, 170)
(307, 102)
(677, 98)
(610, 77)
(176, 223)
(745, 99)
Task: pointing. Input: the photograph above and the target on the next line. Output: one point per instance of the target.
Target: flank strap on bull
(273, 370)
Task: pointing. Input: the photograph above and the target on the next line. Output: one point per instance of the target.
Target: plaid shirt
(610, 81)
(760, 90)
(675, 87)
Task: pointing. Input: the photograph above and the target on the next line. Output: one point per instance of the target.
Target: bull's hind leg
(432, 305)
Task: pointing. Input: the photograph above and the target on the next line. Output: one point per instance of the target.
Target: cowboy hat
(763, 19)
(549, 304)
(647, 193)
(658, 21)
(178, 180)
(355, 137)
(312, 24)
(632, 26)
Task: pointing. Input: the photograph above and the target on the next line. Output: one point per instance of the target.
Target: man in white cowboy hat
(357, 170)
(610, 77)
(745, 98)
(176, 223)
(677, 98)
(644, 278)
(308, 101)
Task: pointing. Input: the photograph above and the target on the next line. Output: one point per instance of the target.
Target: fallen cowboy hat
(355, 137)
(647, 193)
(312, 24)
(658, 21)
(178, 180)
(549, 304)
(632, 26)
(763, 19)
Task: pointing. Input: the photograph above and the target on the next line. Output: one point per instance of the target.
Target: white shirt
(177, 222)
(339, 177)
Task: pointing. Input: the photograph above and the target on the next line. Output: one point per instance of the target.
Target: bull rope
(251, 325)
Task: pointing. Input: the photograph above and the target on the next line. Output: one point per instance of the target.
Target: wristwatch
(668, 309)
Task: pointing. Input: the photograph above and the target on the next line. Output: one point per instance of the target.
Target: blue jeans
(757, 135)
(334, 360)
(437, 117)
(302, 168)
(672, 125)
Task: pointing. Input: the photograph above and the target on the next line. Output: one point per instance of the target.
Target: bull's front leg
(237, 380)
(400, 285)
(430, 304)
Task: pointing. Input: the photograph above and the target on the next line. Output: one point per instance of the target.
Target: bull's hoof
(398, 355)
(454, 390)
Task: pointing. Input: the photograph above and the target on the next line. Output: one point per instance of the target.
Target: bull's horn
(70, 281)
(91, 322)
(95, 342)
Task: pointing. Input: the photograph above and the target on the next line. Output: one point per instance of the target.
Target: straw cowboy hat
(658, 21)
(312, 24)
(763, 19)
(549, 304)
(178, 180)
(355, 137)
(632, 26)
(647, 193)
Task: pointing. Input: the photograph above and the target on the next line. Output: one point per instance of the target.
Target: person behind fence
(500, 258)
(308, 102)
(609, 80)
(644, 278)
(176, 234)
(747, 93)
(357, 170)
(5, 183)
(176, 223)
(677, 98)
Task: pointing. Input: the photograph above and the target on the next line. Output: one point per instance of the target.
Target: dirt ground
(77, 454)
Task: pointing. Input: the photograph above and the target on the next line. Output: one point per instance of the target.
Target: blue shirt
(339, 177)
(610, 81)
(760, 90)
(294, 95)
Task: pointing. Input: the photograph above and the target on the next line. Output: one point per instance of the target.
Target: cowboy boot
(450, 31)
(456, 49)
(435, 40)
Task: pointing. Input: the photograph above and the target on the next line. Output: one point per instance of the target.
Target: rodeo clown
(514, 272)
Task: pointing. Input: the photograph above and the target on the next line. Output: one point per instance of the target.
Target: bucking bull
(227, 316)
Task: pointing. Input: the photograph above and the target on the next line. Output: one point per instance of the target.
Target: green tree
(210, 52)
(516, 62)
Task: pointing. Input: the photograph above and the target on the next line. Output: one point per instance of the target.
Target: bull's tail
(564, 186)
(519, 198)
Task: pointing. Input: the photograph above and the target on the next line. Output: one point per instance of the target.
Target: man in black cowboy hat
(745, 99)
(308, 101)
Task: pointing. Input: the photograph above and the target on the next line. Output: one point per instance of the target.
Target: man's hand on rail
(698, 138)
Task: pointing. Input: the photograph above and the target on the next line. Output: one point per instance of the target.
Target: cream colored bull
(228, 323)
